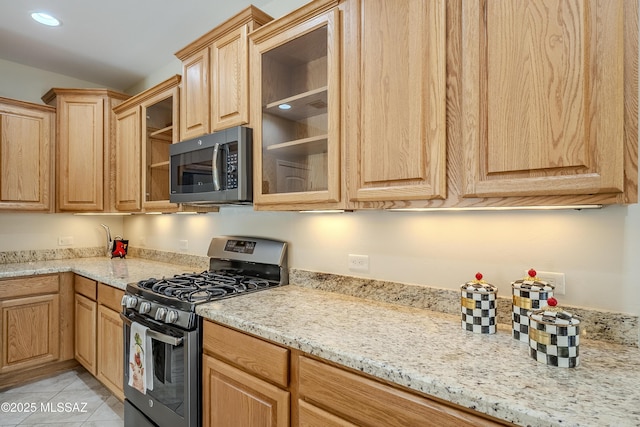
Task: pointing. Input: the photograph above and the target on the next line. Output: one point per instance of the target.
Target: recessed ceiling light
(284, 106)
(45, 19)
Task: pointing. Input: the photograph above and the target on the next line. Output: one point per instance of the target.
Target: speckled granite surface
(115, 272)
(10, 257)
(429, 352)
(617, 328)
(425, 350)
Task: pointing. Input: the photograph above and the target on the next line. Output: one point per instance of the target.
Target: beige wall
(598, 250)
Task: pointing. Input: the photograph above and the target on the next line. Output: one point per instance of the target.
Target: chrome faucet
(109, 241)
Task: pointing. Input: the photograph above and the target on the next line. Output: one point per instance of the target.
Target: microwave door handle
(214, 169)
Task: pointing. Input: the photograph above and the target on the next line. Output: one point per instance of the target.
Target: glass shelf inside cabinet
(295, 114)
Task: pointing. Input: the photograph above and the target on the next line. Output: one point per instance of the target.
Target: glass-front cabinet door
(159, 132)
(297, 127)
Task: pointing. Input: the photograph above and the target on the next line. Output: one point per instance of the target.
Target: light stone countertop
(115, 272)
(420, 349)
(429, 352)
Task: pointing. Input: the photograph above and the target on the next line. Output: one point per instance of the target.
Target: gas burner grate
(205, 286)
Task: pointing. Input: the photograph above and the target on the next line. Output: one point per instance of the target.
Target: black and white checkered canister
(554, 337)
(478, 305)
(529, 294)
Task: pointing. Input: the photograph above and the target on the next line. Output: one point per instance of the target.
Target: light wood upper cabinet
(296, 97)
(544, 96)
(128, 144)
(230, 80)
(454, 104)
(215, 83)
(85, 157)
(147, 124)
(396, 120)
(194, 96)
(27, 136)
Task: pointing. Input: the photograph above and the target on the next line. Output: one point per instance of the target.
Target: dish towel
(140, 359)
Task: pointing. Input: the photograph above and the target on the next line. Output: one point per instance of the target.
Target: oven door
(175, 398)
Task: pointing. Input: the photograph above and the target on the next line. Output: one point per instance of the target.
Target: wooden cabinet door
(30, 332)
(128, 166)
(352, 396)
(27, 135)
(80, 153)
(397, 81)
(312, 416)
(85, 335)
(543, 97)
(194, 96)
(230, 80)
(234, 398)
(110, 350)
(159, 130)
(296, 100)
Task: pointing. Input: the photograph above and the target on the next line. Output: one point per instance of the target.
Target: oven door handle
(158, 336)
(167, 339)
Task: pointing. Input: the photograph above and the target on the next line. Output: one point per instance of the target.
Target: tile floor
(70, 399)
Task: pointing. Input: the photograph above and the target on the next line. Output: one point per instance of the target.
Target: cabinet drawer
(32, 285)
(86, 287)
(260, 358)
(364, 401)
(110, 297)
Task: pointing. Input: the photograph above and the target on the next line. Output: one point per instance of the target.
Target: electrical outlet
(65, 241)
(555, 279)
(359, 262)
(183, 245)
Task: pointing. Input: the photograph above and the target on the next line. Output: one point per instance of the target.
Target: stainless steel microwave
(212, 169)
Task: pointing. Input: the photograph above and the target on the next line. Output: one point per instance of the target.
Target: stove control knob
(160, 313)
(130, 302)
(145, 307)
(172, 316)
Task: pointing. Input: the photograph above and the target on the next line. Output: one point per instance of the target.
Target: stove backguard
(256, 257)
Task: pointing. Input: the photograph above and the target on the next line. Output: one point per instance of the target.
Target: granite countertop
(423, 350)
(116, 272)
(429, 352)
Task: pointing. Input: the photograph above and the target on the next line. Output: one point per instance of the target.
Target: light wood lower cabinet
(85, 337)
(332, 395)
(99, 340)
(35, 325)
(110, 339)
(29, 331)
(110, 350)
(245, 380)
(234, 398)
(251, 382)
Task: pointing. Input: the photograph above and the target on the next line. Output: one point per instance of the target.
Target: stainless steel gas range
(162, 333)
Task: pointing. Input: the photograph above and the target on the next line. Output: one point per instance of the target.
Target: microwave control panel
(232, 167)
